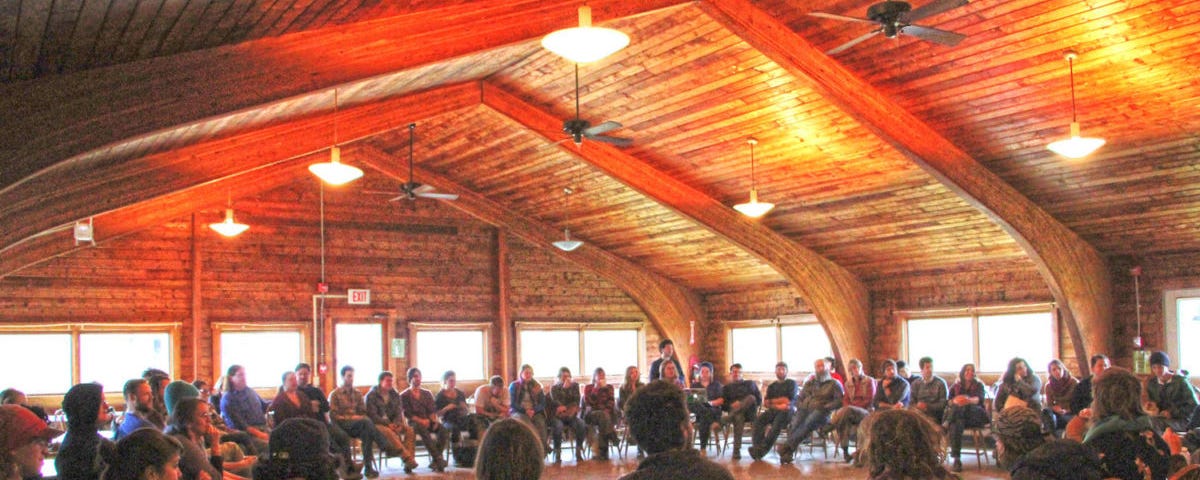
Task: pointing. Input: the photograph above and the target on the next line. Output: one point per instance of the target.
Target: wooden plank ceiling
(690, 93)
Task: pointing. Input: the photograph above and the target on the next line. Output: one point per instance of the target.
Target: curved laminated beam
(837, 297)
(672, 309)
(1075, 272)
(62, 194)
(54, 118)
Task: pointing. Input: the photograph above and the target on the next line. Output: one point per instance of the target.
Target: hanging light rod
(1075, 146)
(753, 208)
(567, 244)
(334, 172)
(585, 43)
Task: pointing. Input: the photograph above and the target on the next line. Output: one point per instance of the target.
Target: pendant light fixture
(334, 172)
(753, 208)
(585, 43)
(1075, 146)
(567, 244)
(229, 227)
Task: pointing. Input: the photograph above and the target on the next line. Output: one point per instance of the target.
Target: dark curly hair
(901, 443)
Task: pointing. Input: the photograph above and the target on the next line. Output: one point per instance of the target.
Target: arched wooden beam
(837, 297)
(1075, 272)
(64, 194)
(151, 213)
(672, 309)
(54, 118)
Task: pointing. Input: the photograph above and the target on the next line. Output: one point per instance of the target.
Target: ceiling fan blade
(934, 35)
(601, 128)
(932, 8)
(401, 197)
(840, 17)
(843, 47)
(437, 195)
(620, 142)
(379, 192)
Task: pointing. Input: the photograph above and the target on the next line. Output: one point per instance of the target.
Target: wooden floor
(768, 468)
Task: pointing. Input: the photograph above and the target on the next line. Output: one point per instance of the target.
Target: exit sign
(359, 296)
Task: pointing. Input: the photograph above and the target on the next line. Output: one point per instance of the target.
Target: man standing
(349, 411)
(740, 400)
(422, 416)
(658, 418)
(564, 405)
(139, 409)
(1171, 394)
(780, 396)
(929, 392)
(818, 399)
(667, 349)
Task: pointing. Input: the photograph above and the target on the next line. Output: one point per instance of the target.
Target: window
(989, 338)
(759, 345)
(579, 347)
(68, 354)
(458, 347)
(1182, 308)
(265, 351)
(360, 345)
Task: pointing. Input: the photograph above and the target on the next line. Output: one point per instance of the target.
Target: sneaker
(785, 453)
(957, 465)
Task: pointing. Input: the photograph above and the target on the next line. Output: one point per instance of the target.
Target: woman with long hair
(903, 444)
(290, 402)
(1059, 391)
(191, 425)
(1121, 431)
(600, 410)
(631, 383)
(145, 454)
(965, 409)
(1020, 386)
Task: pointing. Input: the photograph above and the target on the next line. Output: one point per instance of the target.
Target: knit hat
(1061, 460)
(1019, 428)
(1160, 358)
(176, 391)
(20, 426)
(299, 439)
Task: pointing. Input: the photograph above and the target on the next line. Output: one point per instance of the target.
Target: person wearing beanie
(1018, 431)
(176, 391)
(23, 440)
(83, 449)
(1171, 394)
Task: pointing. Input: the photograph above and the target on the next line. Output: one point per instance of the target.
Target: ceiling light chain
(567, 244)
(753, 208)
(334, 172)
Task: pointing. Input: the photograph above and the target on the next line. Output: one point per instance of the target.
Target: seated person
(1058, 393)
(1018, 431)
(385, 411)
(83, 450)
(1170, 394)
(421, 411)
(965, 410)
(491, 401)
(158, 381)
(892, 390)
(509, 450)
(12, 396)
(1019, 386)
(563, 404)
(242, 409)
(903, 444)
(529, 401)
(234, 445)
(451, 406)
(144, 454)
(600, 410)
(1081, 397)
(190, 424)
(139, 409)
(819, 397)
(1058, 459)
(338, 437)
(857, 403)
(708, 416)
(658, 418)
(633, 381)
(777, 412)
(1122, 433)
(928, 393)
(23, 440)
(349, 411)
(740, 400)
(299, 450)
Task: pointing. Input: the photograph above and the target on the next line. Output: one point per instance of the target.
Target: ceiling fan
(894, 18)
(579, 129)
(412, 190)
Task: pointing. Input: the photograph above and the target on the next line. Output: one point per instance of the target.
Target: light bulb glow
(585, 43)
(334, 172)
(228, 227)
(754, 208)
(1076, 146)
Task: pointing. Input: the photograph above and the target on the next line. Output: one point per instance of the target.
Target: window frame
(777, 323)
(581, 376)
(304, 328)
(75, 330)
(974, 313)
(385, 331)
(1171, 320)
(412, 349)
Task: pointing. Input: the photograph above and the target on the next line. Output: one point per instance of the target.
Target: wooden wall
(1160, 272)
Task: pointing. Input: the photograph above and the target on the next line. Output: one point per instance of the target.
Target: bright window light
(754, 348)
(36, 363)
(1026, 335)
(114, 358)
(264, 355)
(1187, 310)
(359, 345)
(948, 341)
(803, 345)
(613, 350)
(458, 350)
(548, 350)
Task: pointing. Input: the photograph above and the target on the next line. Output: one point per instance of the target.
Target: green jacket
(1176, 396)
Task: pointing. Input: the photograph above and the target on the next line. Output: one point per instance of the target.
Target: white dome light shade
(567, 244)
(754, 208)
(585, 43)
(1076, 146)
(334, 172)
(229, 228)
